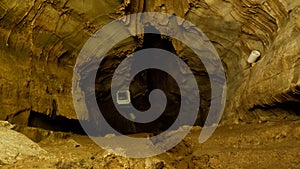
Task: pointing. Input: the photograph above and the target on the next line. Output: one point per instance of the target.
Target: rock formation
(40, 40)
(15, 146)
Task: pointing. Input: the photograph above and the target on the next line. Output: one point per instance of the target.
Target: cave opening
(55, 123)
(145, 82)
(141, 86)
(289, 110)
(292, 107)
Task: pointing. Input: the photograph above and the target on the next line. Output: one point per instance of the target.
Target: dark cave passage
(142, 84)
(291, 109)
(57, 123)
(140, 87)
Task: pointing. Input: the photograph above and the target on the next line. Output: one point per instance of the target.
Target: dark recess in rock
(143, 84)
(57, 123)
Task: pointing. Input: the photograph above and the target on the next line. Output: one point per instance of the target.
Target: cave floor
(257, 145)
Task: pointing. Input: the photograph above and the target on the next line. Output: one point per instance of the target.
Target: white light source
(123, 97)
(254, 55)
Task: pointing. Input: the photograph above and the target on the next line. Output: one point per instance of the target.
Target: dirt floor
(258, 145)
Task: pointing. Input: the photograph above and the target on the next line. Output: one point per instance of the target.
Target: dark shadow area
(141, 102)
(58, 123)
(291, 107)
(141, 86)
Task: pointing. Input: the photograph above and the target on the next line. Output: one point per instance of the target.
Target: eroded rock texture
(15, 146)
(39, 44)
(40, 41)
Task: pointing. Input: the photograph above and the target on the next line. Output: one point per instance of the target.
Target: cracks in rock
(32, 25)
(257, 83)
(22, 19)
(26, 13)
(54, 109)
(63, 55)
(252, 14)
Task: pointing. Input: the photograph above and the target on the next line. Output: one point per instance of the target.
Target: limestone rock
(271, 87)
(15, 146)
(40, 40)
(39, 43)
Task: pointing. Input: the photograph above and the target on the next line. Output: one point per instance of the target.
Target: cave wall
(39, 44)
(273, 83)
(40, 40)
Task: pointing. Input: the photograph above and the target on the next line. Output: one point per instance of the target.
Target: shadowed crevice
(57, 123)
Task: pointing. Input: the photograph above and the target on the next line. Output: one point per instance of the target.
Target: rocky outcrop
(15, 146)
(40, 40)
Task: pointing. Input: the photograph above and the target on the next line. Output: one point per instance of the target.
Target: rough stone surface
(15, 146)
(39, 44)
(265, 145)
(40, 40)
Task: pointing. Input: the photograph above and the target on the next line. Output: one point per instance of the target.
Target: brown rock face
(40, 40)
(270, 88)
(39, 44)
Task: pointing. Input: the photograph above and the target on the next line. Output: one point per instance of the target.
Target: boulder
(15, 146)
